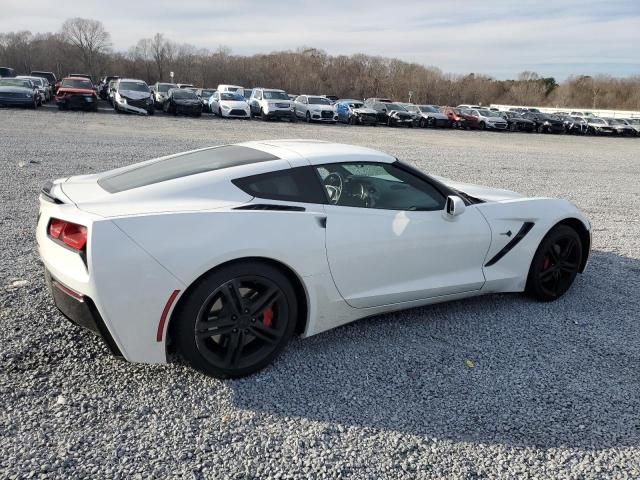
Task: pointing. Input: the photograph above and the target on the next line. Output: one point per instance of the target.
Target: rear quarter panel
(190, 244)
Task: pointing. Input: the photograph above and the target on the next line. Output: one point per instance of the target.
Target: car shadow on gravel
(495, 369)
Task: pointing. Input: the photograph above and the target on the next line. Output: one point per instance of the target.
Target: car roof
(300, 152)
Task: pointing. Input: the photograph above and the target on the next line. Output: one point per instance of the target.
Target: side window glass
(293, 184)
(377, 185)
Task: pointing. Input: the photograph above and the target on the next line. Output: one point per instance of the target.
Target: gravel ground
(553, 391)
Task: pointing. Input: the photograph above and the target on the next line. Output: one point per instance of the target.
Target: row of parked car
(77, 91)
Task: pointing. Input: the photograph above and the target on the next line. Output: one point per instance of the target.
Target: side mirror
(454, 206)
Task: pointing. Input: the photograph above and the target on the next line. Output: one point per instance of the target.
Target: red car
(76, 93)
(455, 117)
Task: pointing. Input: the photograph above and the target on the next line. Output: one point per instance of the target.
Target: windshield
(35, 80)
(274, 95)
(356, 104)
(207, 93)
(635, 121)
(77, 83)
(164, 87)
(185, 94)
(231, 96)
(596, 120)
(134, 86)
(487, 113)
(393, 106)
(614, 121)
(319, 101)
(428, 108)
(15, 82)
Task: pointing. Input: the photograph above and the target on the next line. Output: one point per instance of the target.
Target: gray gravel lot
(554, 391)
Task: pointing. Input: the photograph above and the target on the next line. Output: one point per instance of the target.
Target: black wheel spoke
(224, 329)
(264, 300)
(569, 248)
(553, 254)
(233, 350)
(568, 267)
(233, 298)
(546, 275)
(556, 282)
(264, 333)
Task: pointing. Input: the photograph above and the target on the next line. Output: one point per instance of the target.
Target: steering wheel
(333, 183)
(365, 194)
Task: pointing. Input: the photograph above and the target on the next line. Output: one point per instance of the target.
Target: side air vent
(271, 206)
(526, 227)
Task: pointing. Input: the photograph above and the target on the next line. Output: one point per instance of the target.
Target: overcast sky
(496, 37)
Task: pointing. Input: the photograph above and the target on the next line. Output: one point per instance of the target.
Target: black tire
(293, 118)
(151, 110)
(94, 107)
(555, 264)
(482, 125)
(423, 123)
(262, 115)
(308, 117)
(61, 106)
(220, 112)
(226, 298)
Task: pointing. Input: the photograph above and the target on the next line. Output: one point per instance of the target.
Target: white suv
(314, 108)
(270, 103)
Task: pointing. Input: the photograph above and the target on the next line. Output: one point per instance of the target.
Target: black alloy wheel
(236, 320)
(555, 264)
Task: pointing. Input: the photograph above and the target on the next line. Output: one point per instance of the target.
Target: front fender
(505, 219)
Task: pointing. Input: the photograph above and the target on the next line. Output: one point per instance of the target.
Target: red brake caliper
(267, 316)
(546, 263)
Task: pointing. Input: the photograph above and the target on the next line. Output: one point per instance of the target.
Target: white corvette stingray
(218, 256)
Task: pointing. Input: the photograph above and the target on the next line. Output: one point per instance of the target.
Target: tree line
(84, 46)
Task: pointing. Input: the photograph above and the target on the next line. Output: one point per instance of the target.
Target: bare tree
(90, 40)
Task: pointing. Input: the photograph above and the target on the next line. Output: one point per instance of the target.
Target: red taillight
(71, 234)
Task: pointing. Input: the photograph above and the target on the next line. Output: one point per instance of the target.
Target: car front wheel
(236, 320)
(555, 264)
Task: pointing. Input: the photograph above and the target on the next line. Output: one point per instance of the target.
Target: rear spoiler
(46, 194)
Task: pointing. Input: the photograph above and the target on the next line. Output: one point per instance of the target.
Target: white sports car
(219, 255)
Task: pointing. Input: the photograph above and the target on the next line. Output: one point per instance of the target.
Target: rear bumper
(80, 310)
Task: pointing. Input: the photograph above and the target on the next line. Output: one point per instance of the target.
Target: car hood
(187, 101)
(134, 94)
(364, 110)
(85, 91)
(493, 119)
(15, 90)
(437, 115)
(488, 194)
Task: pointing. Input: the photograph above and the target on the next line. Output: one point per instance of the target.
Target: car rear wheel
(483, 126)
(236, 320)
(308, 117)
(555, 264)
